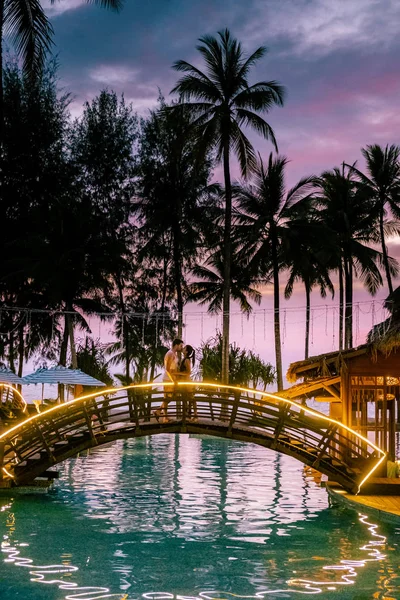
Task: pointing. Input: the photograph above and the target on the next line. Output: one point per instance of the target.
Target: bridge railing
(251, 415)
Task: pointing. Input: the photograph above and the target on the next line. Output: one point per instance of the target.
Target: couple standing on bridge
(176, 369)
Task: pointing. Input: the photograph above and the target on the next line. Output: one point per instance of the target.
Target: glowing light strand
(274, 397)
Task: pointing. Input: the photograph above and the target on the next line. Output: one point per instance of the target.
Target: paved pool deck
(385, 508)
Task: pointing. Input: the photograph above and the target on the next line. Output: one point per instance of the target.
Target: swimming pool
(175, 516)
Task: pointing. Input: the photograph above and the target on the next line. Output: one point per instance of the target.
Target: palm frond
(244, 150)
(30, 32)
(251, 61)
(251, 119)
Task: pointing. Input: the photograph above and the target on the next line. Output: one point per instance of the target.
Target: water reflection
(44, 574)
(179, 517)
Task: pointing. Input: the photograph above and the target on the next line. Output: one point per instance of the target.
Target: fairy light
(15, 391)
(7, 473)
(203, 384)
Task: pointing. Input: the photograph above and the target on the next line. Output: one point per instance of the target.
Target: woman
(185, 371)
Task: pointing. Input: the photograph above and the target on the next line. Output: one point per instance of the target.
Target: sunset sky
(339, 60)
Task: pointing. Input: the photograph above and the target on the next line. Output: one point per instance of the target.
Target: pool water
(174, 516)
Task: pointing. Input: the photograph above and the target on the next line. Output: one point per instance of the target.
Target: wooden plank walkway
(386, 508)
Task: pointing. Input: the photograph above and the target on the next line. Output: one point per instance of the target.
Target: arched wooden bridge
(30, 448)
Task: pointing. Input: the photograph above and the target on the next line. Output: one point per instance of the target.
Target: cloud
(113, 74)
(326, 25)
(61, 6)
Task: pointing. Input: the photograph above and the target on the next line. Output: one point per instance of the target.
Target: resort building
(362, 387)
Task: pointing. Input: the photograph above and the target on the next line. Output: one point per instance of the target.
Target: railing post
(235, 407)
(224, 409)
(89, 424)
(99, 413)
(330, 432)
(284, 410)
(133, 416)
(43, 440)
(184, 395)
(2, 446)
(138, 410)
(178, 402)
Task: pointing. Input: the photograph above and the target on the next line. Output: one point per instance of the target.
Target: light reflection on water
(179, 517)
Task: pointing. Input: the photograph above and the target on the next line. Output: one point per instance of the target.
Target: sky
(338, 60)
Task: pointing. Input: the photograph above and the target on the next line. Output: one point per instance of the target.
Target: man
(171, 371)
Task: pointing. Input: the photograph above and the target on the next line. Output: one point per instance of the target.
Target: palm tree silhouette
(265, 212)
(172, 198)
(348, 211)
(209, 288)
(382, 185)
(27, 26)
(222, 102)
(308, 258)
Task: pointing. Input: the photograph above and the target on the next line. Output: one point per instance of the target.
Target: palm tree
(224, 102)
(348, 211)
(172, 199)
(382, 185)
(25, 23)
(209, 289)
(308, 241)
(265, 212)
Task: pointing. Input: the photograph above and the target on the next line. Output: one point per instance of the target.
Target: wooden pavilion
(362, 386)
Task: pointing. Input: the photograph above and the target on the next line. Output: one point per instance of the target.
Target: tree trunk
(341, 304)
(11, 349)
(348, 329)
(178, 269)
(63, 355)
(308, 307)
(227, 267)
(277, 326)
(64, 344)
(351, 303)
(1, 82)
(70, 322)
(21, 349)
(125, 329)
(165, 283)
(384, 250)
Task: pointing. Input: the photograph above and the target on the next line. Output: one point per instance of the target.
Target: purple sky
(337, 58)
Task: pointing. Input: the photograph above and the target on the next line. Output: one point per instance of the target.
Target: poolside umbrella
(7, 376)
(63, 375)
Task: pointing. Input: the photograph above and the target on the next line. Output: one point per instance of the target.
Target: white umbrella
(63, 375)
(7, 376)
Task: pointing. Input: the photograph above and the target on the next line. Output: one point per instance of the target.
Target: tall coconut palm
(173, 191)
(308, 259)
(209, 287)
(349, 212)
(26, 25)
(266, 209)
(382, 185)
(223, 102)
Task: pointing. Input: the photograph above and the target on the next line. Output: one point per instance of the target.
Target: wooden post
(2, 446)
(344, 395)
(178, 403)
(132, 406)
(284, 410)
(185, 403)
(330, 434)
(89, 425)
(233, 413)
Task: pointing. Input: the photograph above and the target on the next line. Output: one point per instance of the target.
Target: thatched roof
(385, 337)
(321, 386)
(323, 365)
